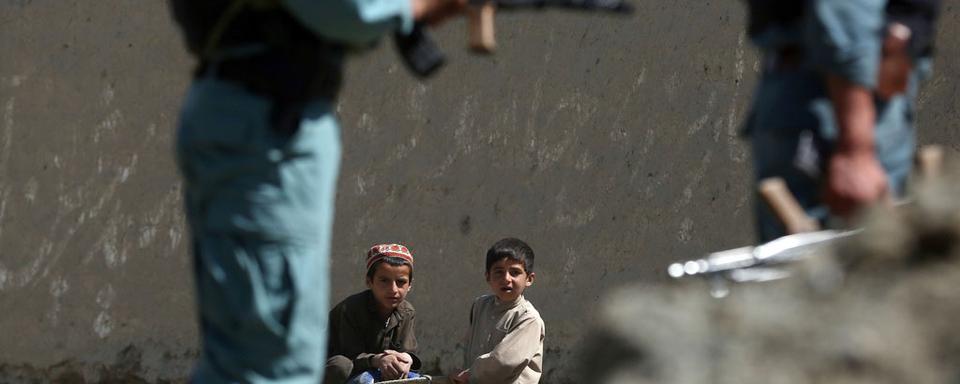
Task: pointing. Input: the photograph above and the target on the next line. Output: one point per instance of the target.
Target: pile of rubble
(885, 314)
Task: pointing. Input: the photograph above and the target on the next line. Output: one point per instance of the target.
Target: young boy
(371, 332)
(505, 340)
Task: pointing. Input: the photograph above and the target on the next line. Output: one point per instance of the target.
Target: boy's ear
(368, 281)
(486, 276)
(530, 277)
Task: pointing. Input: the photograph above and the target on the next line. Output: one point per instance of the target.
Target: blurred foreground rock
(890, 319)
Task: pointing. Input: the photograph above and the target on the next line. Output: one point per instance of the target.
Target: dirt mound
(880, 308)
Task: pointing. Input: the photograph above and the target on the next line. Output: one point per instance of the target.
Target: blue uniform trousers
(260, 208)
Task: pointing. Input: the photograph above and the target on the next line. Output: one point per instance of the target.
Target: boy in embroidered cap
(371, 332)
(505, 339)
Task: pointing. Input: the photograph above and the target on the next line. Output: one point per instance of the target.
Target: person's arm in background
(362, 22)
(845, 40)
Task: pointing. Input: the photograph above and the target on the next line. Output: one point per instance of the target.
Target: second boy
(505, 340)
(371, 332)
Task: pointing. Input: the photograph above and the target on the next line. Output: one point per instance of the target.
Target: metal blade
(781, 250)
(799, 245)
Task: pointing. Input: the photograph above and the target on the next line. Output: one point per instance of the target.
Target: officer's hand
(432, 12)
(855, 180)
(893, 76)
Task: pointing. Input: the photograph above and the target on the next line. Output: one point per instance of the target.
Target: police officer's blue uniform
(792, 125)
(260, 205)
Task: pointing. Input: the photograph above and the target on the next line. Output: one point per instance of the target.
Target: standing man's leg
(260, 207)
(786, 140)
(774, 155)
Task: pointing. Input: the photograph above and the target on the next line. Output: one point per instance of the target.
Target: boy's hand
(393, 365)
(405, 362)
(461, 378)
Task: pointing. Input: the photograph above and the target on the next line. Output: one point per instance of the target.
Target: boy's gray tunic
(504, 342)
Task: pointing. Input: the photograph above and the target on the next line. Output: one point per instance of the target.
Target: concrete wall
(609, 144)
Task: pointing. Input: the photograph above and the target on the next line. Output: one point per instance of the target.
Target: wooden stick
(775, 193)
(480, 25)
(930, 161)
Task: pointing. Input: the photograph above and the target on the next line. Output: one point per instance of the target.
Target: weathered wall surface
(610, 144)
(93, 264)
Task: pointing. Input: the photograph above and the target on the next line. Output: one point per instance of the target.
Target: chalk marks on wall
(58, 288)
(103, 324)
(737, 148)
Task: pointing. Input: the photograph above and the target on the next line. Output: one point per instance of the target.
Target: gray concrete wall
(609, 144)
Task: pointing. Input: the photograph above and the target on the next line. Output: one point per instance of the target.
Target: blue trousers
(260, 208)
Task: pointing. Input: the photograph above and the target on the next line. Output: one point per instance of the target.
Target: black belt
(288, 81)
(277, 77)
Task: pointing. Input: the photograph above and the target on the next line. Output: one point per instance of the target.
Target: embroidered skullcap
(381, 251)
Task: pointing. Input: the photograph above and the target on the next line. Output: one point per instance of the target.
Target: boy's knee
(338, 370)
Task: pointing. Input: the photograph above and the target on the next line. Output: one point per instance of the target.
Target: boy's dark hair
(513, 249)
(394, 261)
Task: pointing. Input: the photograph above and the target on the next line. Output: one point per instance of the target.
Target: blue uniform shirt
(841, 37)
(353, 22)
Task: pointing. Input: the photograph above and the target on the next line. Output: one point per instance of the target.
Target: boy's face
(390, 285)
(508, 278)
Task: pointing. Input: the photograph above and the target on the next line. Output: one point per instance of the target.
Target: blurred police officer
(833, 112)
(259, 149)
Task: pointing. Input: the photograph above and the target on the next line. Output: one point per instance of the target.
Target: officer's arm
(855, 113)
(362, 22)
(855, 176)
(844, 40)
